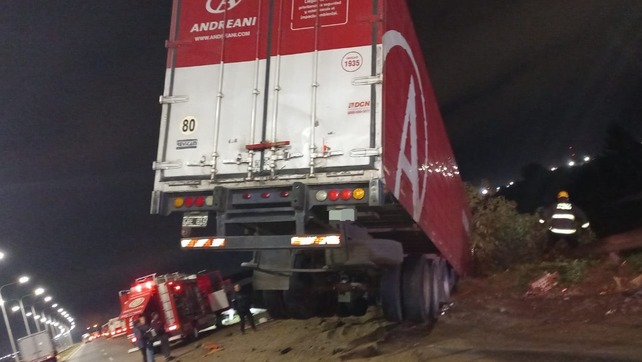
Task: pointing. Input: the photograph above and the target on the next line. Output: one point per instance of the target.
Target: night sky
(517, 81)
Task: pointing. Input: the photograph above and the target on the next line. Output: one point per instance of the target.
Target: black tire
(327, 304)
(192, 335)
(273, 300)
(390, 294)
(453, 278)
(300, 300)
(344, 310)
(219, 320)
(359, 307)
(418, 289)
(445, 287)
(435, 285)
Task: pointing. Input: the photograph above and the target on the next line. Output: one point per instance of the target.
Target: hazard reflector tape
(316, 240)
(202, 243)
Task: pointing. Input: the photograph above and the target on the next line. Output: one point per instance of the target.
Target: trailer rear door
(268, 86)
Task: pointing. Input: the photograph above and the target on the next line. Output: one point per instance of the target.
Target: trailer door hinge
(365, 152)
(172, 99)
(166, 165)
(368, 80)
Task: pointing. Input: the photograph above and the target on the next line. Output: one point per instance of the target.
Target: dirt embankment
(599, 319)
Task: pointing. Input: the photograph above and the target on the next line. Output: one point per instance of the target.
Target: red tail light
(285, 194)
(333, 195)
(247, 196)
(200, 201)
(265, 195)
(346, 194)
(189, 201)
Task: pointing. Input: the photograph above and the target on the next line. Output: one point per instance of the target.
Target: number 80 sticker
(188, 125)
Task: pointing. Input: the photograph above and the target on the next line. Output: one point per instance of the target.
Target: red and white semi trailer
(307, 131)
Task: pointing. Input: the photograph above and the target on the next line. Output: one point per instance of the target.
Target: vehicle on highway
(117, 327)
(308, 132)
(185, 303)
(37, 347)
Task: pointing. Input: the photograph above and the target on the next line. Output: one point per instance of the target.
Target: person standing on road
(563, 219)
(241, 303)
(139, 333)
(159, 327)
(144, 338)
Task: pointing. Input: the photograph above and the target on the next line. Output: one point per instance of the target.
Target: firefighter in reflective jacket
(563, 219)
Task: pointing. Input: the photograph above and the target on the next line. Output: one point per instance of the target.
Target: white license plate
(195, 221)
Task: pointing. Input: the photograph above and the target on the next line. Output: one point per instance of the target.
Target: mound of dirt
(488, 319)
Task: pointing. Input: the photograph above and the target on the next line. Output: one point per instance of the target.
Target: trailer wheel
(359, 307)
(300, 300)
(390, 294)
(444, 281)
(437, 280)
(273, 300)
(418, 289)
(343, 309)
(453, 278)
(327, 304)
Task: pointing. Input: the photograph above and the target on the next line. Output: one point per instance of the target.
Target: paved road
(105, 350)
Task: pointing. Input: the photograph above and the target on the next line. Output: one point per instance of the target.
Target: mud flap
(272, 259)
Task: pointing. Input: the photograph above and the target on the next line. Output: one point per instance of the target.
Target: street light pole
(36, 292)
(22, 280)
(6, 323)
(35, 318)
(24, 317)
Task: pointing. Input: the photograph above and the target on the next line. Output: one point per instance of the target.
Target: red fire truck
(116, 327)
(186, 303)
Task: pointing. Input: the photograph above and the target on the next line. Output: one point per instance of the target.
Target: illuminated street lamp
(15, 308)
(21, 280)
(36, 318)
(1, 255)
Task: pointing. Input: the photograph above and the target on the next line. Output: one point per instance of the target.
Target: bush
(501, 236)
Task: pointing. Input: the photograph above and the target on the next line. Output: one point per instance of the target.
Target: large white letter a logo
(410, 167)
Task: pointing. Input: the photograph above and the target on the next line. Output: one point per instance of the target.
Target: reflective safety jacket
(563, 218)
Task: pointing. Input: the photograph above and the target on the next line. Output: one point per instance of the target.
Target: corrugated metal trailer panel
(264, 92)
